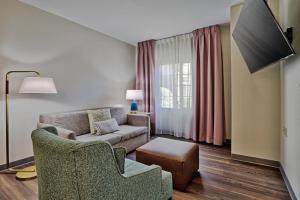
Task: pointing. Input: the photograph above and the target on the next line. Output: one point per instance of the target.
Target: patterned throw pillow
(96, 116)
(107, 126)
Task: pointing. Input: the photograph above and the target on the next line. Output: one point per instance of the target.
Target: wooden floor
(220, 178)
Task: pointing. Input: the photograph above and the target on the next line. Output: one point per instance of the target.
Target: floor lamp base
(26, 173)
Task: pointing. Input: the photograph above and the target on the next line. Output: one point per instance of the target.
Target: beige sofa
(134, 128)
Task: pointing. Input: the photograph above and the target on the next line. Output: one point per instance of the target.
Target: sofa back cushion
(76, 121)
(119, 114)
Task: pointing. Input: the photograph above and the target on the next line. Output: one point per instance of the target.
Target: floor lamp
(30, 85)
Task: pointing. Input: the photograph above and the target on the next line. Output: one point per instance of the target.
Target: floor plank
(219, 178)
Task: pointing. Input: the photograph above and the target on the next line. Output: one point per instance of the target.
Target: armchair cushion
(120, 155)
(133, 167)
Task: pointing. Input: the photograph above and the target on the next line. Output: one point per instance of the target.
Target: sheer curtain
(174, 86)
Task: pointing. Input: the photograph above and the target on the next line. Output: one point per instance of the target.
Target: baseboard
(287, 183)
(18, 162)
(259, 161)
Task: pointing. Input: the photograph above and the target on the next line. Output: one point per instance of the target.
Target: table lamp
(134, 95)
(30, 85)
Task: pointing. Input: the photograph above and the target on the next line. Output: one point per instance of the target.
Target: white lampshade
(134, 94)
(38, 85)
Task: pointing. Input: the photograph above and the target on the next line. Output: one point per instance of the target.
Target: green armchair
(73, 170)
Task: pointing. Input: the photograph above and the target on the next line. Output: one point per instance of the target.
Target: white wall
(290, 143)
(90, 69)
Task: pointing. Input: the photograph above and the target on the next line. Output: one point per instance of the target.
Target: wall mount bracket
(289, 34)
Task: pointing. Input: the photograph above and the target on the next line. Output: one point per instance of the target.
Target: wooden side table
(141, 113)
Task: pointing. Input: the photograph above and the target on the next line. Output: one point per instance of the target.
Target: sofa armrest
(65, 133)
(120, 155)
(138, 120)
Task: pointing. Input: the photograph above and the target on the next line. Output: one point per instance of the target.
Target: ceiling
(137, 20)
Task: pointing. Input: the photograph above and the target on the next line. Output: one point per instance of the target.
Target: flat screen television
(259, 36)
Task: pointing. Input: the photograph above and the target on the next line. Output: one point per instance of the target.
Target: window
(176, 86)
(166, 98)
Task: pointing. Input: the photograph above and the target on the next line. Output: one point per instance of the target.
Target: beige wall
(225, 38)
(90, 69)
(290, 142)
(255, 104)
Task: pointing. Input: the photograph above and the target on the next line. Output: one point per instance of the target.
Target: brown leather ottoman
(178, 157)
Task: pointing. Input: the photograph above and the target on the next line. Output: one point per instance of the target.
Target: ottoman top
(169, 148)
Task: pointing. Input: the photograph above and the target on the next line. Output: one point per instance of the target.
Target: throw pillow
(96, 116)
(107, 126)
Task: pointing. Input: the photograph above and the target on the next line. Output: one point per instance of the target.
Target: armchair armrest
(120, 155)
(65, 133)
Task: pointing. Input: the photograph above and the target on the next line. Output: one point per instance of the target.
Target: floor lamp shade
(38, 85)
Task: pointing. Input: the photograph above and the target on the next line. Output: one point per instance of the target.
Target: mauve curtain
(145, 75)
(209, 124)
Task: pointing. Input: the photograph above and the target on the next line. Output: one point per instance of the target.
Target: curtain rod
(174, 36)
(187, 33)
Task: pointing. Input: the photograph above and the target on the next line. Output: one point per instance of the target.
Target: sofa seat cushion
(132, 167)
(110, 138)
(126, 131)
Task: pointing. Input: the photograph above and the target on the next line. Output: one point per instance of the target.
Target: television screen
(259, 37)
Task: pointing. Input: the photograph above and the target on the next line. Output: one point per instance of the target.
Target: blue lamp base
(134, 106)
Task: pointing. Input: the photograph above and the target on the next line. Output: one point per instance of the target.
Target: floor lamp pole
(7, 115)
(6, 120)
